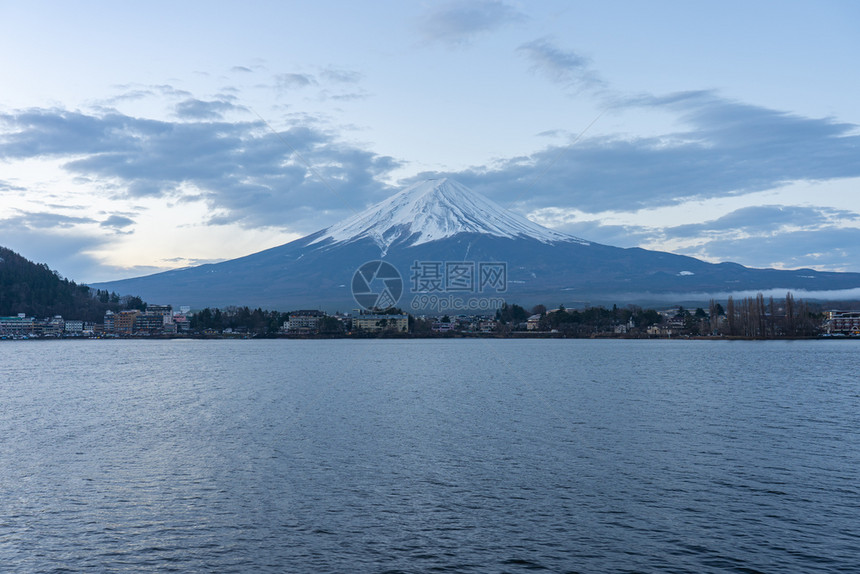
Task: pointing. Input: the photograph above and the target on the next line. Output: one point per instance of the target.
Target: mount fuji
(434, 210)
(440, 222)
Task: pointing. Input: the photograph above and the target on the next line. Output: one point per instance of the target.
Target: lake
(429, 456)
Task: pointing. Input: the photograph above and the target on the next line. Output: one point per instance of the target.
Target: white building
(74, 327)
(843, 323)
(17, 326)
(304, 321)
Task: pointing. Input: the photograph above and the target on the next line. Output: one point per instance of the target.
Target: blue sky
(138, 138)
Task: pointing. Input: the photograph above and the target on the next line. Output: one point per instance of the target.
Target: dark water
(429, 456)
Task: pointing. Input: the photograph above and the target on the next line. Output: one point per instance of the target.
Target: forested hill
(37, 291)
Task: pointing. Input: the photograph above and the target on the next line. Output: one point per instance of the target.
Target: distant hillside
(35, 290)
(455, 247)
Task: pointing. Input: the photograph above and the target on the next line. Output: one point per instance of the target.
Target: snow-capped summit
(437, 209)
(439, 222)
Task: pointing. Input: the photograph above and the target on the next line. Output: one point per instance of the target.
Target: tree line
(37, 291)
(755, 317)
(239, 319)
(752, 317)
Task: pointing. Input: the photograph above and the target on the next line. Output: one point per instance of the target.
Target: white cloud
(457, 23)
(293, 81)
(568, 68)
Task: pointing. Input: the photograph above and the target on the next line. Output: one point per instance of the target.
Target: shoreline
(398, 336)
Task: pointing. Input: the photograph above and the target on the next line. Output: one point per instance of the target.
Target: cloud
(728, 148)
(615, 235)
(781, 236)
(190, 261)
(822, 249)
(250, 176)
(39, 132)
(771, 236)
(6, 187)
(766, 219)
(117, 222)
(341, 76)
(131, 95)
(779, 293)
(567, 68)
(133, 92)
(38, 220)
(333, 83)
(34, 237)
(342, 96)
(551, 133)
(287, 82)
(242, 170)
(195, 109)
(242, 69)
(458, 23)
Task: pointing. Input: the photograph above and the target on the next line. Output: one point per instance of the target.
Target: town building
(19, 326)
(376, 323)
(664, 330)
(148, 323)
(181, 323)
(108, 321)
(843, 323)
(165, 313)
(305, 321)
(52, 327)
(163, 310)
(123, 322)
(74, 327)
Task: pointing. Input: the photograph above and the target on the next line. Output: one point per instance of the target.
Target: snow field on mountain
(437, 209)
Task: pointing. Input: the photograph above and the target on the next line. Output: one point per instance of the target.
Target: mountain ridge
(436, 209)
(441, 221)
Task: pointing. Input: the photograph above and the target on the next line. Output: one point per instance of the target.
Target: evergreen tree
(37, 291)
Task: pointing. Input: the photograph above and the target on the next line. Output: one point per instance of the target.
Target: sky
(141, 137)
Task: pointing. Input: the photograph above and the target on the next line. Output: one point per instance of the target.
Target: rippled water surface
(429, 456)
